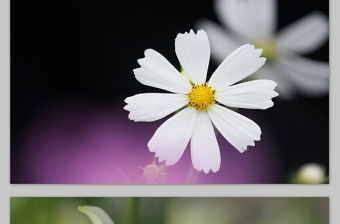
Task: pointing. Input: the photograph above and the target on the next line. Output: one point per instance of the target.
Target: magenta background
(76, 142)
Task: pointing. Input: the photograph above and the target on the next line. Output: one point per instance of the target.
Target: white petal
(243, 62)
(193, 52)
(154, 106)
(205, 153)
(237, 129)
(310, 77)
(171, 138)
(252, 19)
(305, 35)
(276, 72)
(96, 214)
(252, 95)
(157, 72)
(222, 43)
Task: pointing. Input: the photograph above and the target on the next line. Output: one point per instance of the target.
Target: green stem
(133, 210)
(165, 205)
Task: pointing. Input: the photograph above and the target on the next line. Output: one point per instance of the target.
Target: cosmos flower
(96, 214)
(255, 22)
(201, 104)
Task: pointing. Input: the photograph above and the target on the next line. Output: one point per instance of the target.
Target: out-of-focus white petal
(222, 42)
(255, 94)
(310, 77)
(276, 72)
(157, 72)
(252, 19)
(193, 52)
(304, 35)
(96, 215)
(154, 106)
(171, 138)
(205, 153)
(237, 129)
(243, 62)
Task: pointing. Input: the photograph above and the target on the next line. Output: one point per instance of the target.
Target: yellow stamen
(201, 97)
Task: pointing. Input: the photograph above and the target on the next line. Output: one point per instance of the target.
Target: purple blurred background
(77, 142)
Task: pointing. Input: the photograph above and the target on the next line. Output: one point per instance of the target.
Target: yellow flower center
(201, 97)
(269, 49)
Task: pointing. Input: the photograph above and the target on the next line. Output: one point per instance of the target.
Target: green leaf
(97, 215)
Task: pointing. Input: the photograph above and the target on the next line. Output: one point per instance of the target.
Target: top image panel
(188, 92)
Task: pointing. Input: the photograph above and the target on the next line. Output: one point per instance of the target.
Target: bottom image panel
(173, 210)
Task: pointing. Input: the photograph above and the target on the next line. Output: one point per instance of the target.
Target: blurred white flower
(310, 173)
(200, 101)
(97, 215)
(255, 22)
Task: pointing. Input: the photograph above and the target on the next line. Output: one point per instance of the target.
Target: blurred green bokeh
(199, 210)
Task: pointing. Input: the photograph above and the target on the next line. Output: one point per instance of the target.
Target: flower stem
(164, 209)
(133, 210)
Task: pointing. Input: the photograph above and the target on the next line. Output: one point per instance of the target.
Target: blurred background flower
(255, 22)
(71, 63)
(310, 173)
(196, 210)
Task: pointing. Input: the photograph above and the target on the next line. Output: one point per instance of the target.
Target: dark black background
(88, 49)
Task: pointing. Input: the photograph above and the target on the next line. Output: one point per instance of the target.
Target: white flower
(200, 101)
(96, 214)
(255, 22)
